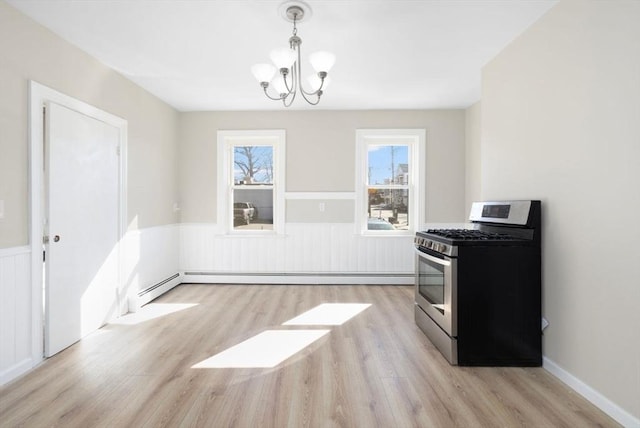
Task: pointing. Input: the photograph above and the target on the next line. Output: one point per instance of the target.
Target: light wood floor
(375, 370)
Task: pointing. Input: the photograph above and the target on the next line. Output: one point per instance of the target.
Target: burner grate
(469, 234)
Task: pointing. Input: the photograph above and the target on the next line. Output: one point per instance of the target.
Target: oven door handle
(432, 258)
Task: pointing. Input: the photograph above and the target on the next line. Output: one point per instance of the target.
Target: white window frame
(415, 139)
(226, 141)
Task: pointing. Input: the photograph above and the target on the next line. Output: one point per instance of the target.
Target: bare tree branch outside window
(253, 164)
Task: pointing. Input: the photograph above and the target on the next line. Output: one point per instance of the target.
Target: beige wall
(561, 122)
(28, 51)
(321, 156)
(473, 173)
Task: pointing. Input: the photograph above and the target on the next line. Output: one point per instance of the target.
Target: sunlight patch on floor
(265, 350)
(329, 314)
(152, 311)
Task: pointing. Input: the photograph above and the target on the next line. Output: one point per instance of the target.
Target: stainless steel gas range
(478, 289)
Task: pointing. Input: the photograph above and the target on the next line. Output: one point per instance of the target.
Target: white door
(82, 212)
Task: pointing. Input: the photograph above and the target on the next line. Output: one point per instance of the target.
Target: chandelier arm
(317, 91)
(313, 103)
(288, 104)
(272, 98)
(294, 86)
(289, 97)
(284, 79)
(264, 87)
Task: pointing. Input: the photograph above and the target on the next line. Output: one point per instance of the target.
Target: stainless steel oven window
(431, 283)
(436, 288)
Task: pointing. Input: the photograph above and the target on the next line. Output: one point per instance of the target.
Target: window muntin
(389, 171)
(252, 187)
(388, 187)
(251, 177)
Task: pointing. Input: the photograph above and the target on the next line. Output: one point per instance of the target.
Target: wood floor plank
(374, 370)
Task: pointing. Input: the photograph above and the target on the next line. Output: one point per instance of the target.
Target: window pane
(388, 209)
(253, 209)
(253, 165)
(388, 164)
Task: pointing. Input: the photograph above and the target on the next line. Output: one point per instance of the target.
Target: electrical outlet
(1, 209)
(321, 206)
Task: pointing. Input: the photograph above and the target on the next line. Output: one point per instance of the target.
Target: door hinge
(118, 150)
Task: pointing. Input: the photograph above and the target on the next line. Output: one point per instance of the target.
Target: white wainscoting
(15, 313)
(312, 253)
(150, 260)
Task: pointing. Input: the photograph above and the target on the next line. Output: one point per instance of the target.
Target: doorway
(78, 196)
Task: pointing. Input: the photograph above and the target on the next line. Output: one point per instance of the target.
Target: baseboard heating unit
(329, 278)
(158, 289)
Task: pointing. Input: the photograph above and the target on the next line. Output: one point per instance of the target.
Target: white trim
(225, 141)
(298, 278)
(320, 195)
(14, 251)
(39, 95)
(16, 371)
(603, 403)
(416, 140)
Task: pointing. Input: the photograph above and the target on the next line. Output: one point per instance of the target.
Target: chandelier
(287, 63)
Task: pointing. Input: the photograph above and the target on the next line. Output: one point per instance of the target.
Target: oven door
(436, 288)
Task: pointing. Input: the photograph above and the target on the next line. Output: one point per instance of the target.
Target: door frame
(38, 96)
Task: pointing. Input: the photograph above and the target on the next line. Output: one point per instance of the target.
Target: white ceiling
(391, 54)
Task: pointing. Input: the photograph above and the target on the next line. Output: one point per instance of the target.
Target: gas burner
(469, 234)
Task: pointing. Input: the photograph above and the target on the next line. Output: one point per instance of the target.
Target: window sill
(406, 234)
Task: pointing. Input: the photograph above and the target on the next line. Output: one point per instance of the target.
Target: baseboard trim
(304, 278)
(16, 371)
(603, 403)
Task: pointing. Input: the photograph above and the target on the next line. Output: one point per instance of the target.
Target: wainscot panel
(150, 263)
(322, 253)
(15, 313)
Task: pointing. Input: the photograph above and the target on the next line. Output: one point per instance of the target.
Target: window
(251, 181)
(390, 169)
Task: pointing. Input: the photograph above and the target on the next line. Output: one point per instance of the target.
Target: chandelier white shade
(284, 77)
(322, 61)
(263, 72)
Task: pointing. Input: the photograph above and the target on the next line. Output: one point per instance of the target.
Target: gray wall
(320, 157)
(473, 172)
(561, 122)
(29, 51)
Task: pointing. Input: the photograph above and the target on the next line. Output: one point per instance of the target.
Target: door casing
(39, 95)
